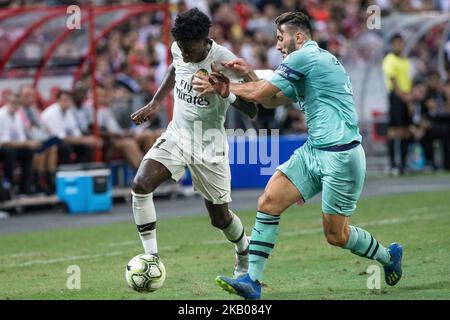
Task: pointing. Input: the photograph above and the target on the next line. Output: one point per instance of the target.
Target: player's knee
(142, 185)
(267, 203)
(336, 239)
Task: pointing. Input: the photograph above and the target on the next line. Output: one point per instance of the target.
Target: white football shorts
(211, 178)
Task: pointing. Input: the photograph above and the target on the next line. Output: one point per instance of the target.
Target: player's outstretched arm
(203, 87)
(146, 112)
(239, 66)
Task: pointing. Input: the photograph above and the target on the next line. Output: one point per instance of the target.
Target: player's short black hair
(191, 25)
(296, 19)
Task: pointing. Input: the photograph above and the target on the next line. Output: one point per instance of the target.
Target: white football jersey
(193, 116)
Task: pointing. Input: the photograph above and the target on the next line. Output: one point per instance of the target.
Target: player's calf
(336, 239)
(232, 228)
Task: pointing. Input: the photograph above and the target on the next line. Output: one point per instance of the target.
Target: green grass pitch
(302, 265)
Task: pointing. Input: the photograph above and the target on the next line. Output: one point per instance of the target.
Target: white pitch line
(20, 254)
(120, 243)
(70, 258)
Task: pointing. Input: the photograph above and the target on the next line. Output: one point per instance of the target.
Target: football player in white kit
(195, 138)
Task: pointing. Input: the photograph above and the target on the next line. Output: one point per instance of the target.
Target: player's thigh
(159, 164)
(303, 171)
(212, 181)
(166, 151)
(280, 193)
(147, 137)
(343, 180)
(150, 175)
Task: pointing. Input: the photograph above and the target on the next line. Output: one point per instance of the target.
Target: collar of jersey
(310, 43)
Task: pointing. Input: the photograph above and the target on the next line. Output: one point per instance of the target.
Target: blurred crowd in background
(131, 63)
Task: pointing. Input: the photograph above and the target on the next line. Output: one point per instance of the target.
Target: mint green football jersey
(315, 79)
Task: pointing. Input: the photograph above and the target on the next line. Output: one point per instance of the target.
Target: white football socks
(235, 233)
(145, 219)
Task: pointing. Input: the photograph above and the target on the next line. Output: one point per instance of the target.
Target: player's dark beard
(291, 46)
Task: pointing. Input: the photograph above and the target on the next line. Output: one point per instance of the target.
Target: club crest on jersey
(202, 72)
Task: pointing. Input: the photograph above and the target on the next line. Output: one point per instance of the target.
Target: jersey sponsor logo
(288, 73)
(185, 92)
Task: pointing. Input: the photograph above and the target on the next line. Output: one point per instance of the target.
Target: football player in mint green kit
(332, 160)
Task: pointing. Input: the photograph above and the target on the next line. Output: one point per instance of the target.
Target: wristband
(231, 98)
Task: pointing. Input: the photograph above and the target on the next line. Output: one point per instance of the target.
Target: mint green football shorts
(339, 175)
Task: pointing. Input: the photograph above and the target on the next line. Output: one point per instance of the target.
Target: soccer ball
(145, 272)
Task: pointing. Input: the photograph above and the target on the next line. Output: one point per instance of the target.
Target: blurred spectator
(15, 147)
(60, 120)
(420, 124)
(435, 96)
(430, 123)
(438, 108)
(83, 115)
(396, 69)
(127, 78)
(446, 109)
(131, 144)
(44, 162)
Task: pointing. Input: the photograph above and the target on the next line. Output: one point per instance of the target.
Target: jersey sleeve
(176, 53)
(294, 68)
(290, 93)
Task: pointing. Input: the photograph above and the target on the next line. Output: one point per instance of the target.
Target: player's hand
(144, 114)
(220, 82)
(200, 83)
(238, 66)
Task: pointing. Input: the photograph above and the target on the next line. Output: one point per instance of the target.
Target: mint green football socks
(363, 244)
(264, 236)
